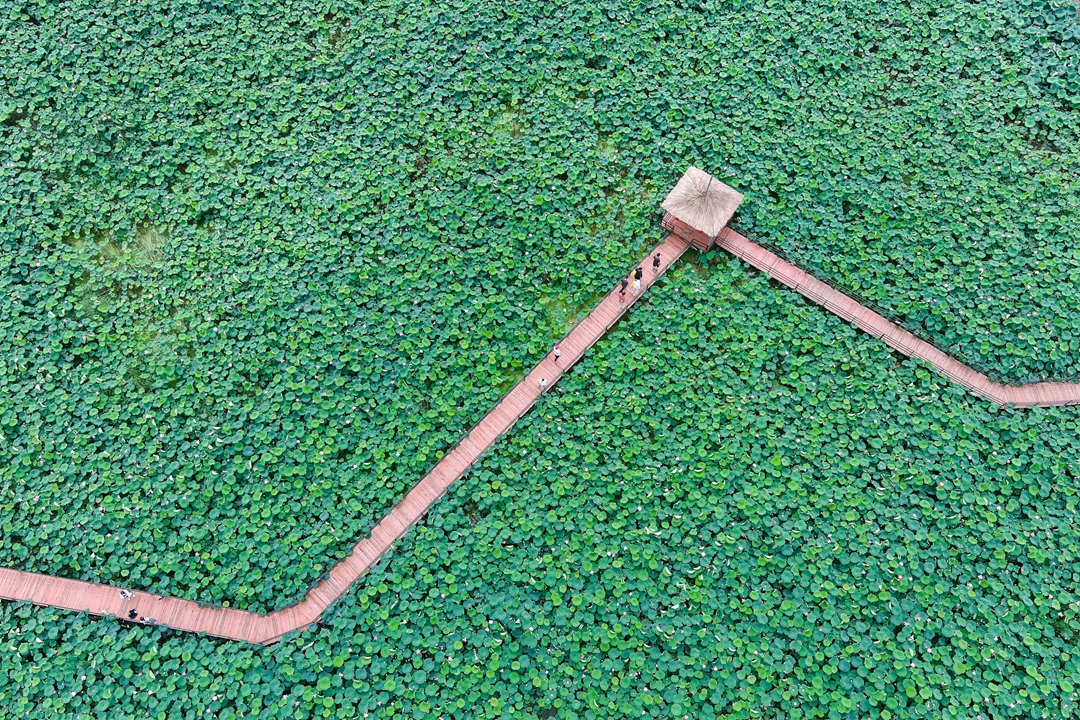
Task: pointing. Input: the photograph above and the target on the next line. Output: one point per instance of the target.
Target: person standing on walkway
(543, 384)
(656, 263)
(637, 285)
(557, 353)
(637, 274)
(622, 296)
(622, 285)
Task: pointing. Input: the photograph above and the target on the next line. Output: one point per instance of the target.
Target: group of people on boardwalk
(635, 288)
(133, 614)
(636, 276)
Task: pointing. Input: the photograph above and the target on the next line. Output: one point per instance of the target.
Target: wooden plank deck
(1046, 394)
(233, 624)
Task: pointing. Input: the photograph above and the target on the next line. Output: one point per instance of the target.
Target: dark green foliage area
(258, 275)
(926, 157)
(260, 265)
(772, 517)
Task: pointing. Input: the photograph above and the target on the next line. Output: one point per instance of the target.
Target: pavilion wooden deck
(233, 624)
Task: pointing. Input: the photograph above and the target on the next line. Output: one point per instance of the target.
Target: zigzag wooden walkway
(233, 624)
(179, 614)
(1044, 394)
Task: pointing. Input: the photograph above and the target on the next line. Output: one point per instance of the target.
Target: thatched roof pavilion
(702, 204)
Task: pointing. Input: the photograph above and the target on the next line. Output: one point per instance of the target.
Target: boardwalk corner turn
(233, 624)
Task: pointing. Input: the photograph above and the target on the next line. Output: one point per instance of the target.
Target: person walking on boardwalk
(622, 285)
(622, 296)
(557, 353)
(637, 285)
(656, 263)
(637, 273)
(543, 384)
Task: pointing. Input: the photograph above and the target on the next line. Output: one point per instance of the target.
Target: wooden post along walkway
(233, 624)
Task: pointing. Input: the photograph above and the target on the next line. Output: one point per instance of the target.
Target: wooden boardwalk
(1044, 394)
(233, 624)
(179, 614)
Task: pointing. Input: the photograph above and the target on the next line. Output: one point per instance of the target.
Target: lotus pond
(260, 264)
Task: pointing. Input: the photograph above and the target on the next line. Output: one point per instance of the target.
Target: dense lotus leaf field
(929, 160)
(240, 320)
(262, 264)
(774, 517)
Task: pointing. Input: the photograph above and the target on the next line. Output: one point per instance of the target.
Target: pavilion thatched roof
(702, 202)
